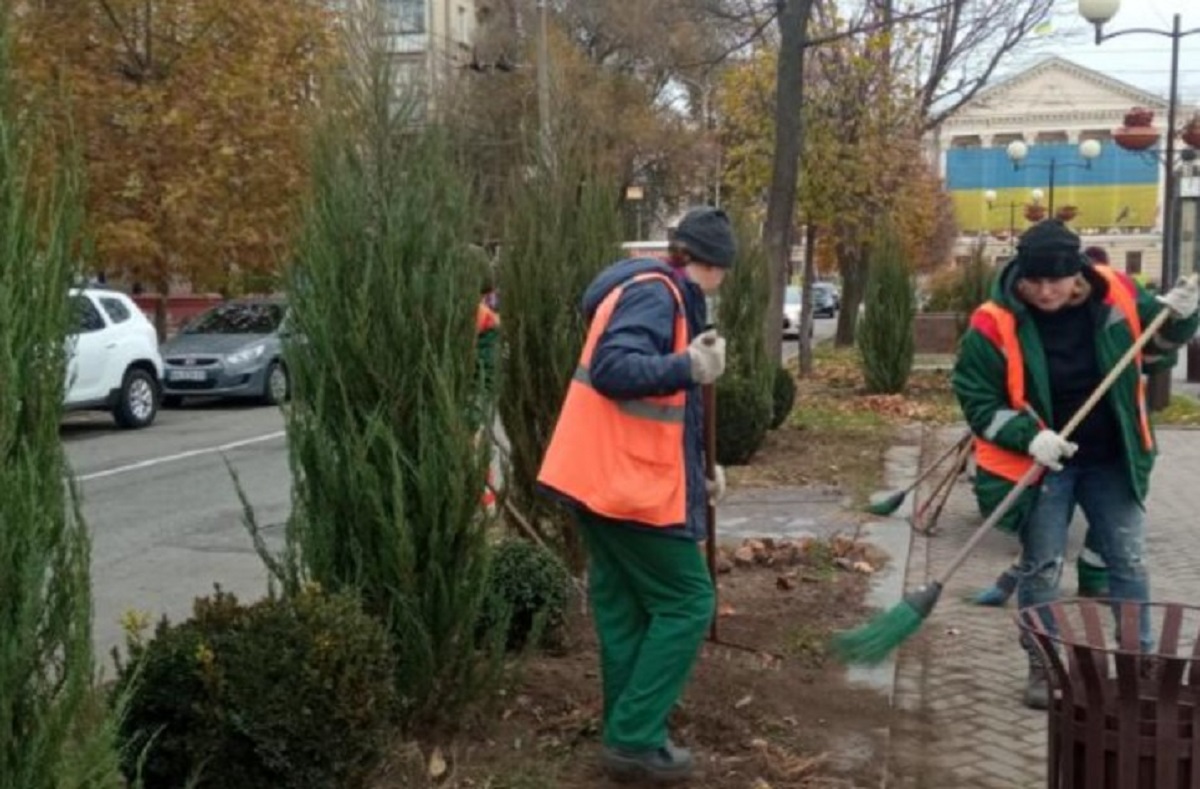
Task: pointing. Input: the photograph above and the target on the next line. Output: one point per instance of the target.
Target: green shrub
(783, 396)
(963, 288)
(383, 427)
(744, 393)
(50, 734)
(885, 331)
(562, 229)
(291, 693)
(529, 586)
(744, 414)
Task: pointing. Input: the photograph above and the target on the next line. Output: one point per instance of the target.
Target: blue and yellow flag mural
(1120, 189)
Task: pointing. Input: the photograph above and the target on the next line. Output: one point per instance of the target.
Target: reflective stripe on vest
(622, 459)
(1013, 465)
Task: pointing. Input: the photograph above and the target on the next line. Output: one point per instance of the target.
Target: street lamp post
(991, 196)
(1018, 151)
(1100, 13)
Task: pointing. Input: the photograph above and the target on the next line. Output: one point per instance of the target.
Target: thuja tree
(885, 331)
(388, 469)
(744, 392)
(52, 729)
(563, 228)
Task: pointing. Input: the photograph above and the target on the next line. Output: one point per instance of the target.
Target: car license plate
(186, 375)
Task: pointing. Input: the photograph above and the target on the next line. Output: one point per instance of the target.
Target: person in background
(627, 457)
(1054, 327)
(487, 342)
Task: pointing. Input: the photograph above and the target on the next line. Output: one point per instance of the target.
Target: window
(238, 318)
(85, 317)
(404, 16)
(116, 309)
(1133, 263)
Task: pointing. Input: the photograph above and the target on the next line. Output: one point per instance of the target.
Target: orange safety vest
(622, 459)
(1013, 465)
(485, 318)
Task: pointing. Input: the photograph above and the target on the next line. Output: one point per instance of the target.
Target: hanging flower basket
(1035, 213)
(1191, 132)
(1067, 213)
(1136, 138)
(1139, 117)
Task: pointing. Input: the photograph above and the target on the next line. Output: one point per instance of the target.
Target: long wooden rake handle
(1036, 470)
(954, 448)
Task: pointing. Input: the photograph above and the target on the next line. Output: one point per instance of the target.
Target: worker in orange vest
(1055, 326)
(627, 457)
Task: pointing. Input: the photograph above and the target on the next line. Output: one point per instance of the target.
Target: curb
(893, 535)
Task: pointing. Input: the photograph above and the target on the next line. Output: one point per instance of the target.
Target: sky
(1141, 60)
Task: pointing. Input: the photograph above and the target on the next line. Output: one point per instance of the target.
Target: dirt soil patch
(838, 433)
(785, 720)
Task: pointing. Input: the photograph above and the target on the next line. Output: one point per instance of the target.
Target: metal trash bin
(1118, 718)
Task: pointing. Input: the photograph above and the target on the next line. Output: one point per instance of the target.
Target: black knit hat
(707, 236)
(1049, 250)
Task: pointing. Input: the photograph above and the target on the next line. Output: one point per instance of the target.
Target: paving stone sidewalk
(962, 677)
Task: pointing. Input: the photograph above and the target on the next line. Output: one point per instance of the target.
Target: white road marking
(191, 453)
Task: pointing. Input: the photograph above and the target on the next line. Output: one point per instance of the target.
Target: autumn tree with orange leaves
(193, 117)
(862, 162)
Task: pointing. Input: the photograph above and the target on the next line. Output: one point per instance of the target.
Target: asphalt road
(823, 329)
(164, 514)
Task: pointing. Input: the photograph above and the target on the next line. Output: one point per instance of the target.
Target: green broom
(888, 503)
(873, 642)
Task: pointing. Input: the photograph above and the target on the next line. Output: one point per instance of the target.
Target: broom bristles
(886, 505)
(871, 643)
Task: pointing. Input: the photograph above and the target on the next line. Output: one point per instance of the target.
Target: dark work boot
(665, 765)
(1037, 686)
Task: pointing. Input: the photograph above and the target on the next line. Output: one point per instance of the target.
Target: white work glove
(1050, 449)
(1182, 299)
(716, 485)
(707, 356)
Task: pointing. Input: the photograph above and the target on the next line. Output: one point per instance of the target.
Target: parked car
(231, 350)
(791, 312)
(825, 300)
(113, 360)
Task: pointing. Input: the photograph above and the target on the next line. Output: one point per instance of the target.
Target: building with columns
(1052, 108)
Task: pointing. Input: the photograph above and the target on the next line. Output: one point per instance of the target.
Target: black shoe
(668, 764)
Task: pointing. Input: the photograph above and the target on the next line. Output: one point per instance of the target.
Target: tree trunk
(851, 255)
(785, 169)
(806, 309)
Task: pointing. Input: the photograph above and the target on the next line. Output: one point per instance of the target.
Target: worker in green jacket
(1090, 572)
(1055, 326)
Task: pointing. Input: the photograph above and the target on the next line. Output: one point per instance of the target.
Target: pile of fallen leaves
(804, 559)
(837, 385)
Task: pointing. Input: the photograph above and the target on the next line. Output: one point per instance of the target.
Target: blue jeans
(1116, 521)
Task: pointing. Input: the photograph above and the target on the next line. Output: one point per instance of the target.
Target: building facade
(1115, 199)
(429, 41)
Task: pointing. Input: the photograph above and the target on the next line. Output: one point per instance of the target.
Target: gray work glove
(1182, 299)
(1050, 449)
(707, 357)
(716, 485)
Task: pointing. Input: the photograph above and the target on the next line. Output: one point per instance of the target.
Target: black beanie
(707, 236)
(1049, 250)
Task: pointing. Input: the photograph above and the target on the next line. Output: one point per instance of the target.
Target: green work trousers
(652, 601)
